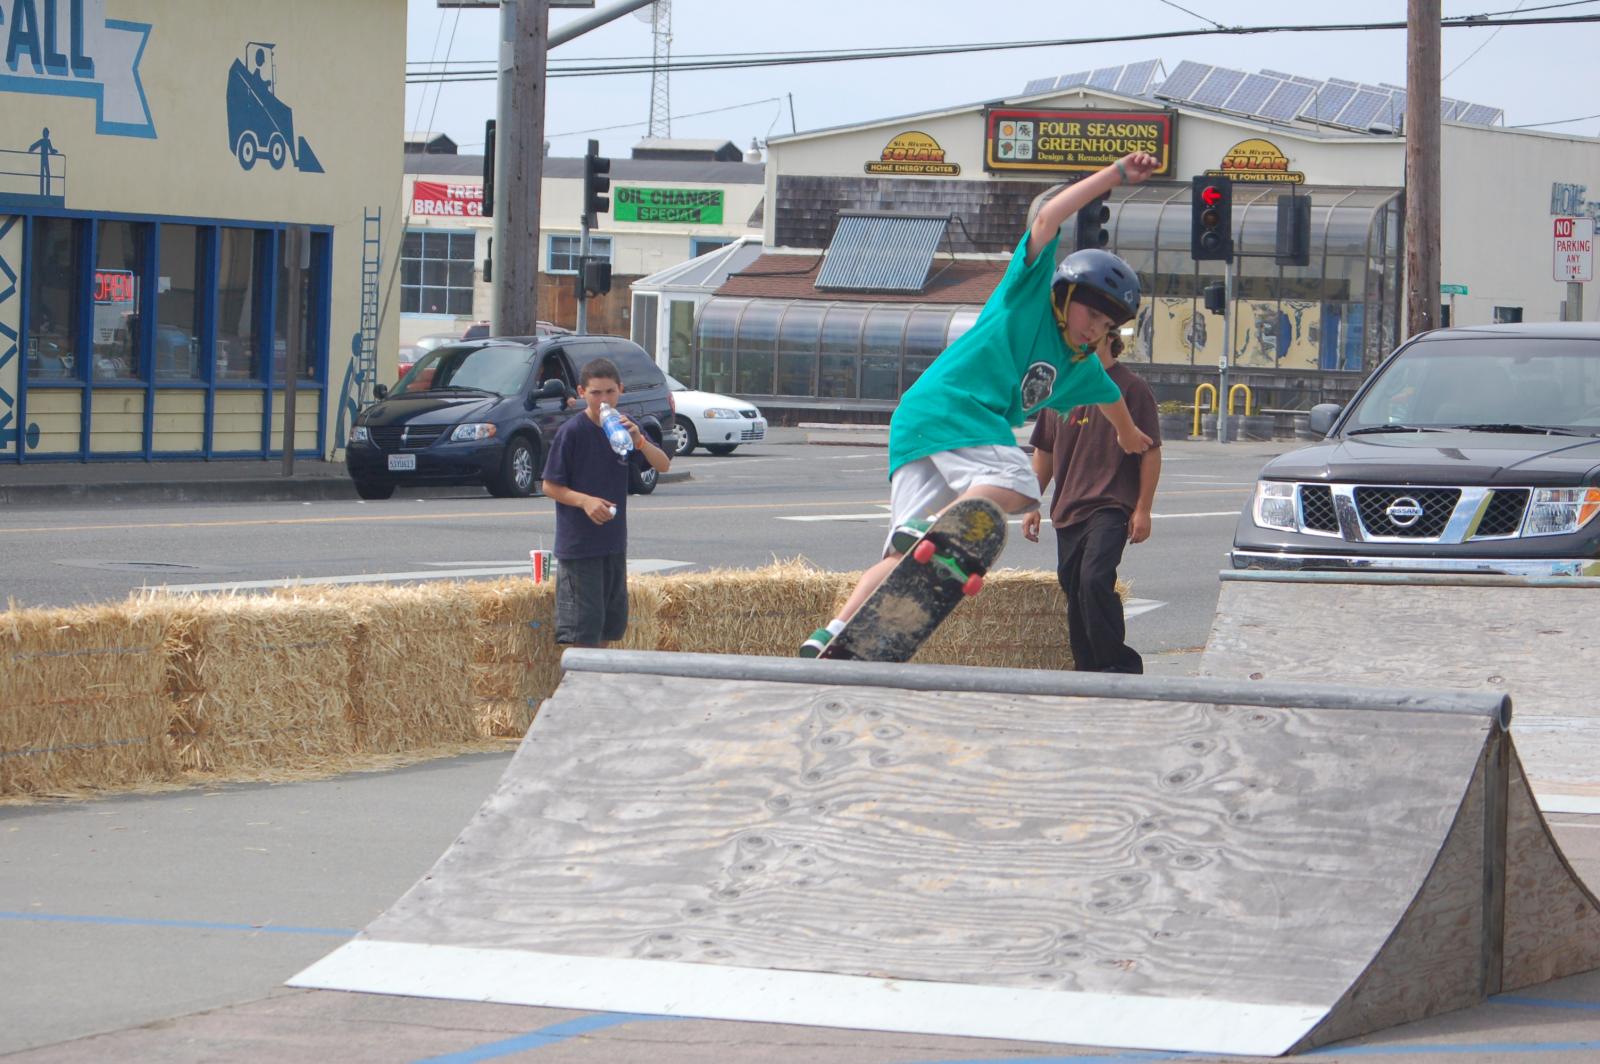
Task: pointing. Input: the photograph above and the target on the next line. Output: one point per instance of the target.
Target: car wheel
(686, 437)
(516, 471)
(643, 481)
(374, 489)
(721, 448)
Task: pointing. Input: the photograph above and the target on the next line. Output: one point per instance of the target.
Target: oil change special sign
(681, 206)
(1025, 139)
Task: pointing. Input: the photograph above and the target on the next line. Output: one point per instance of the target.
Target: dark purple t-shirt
(581, 458)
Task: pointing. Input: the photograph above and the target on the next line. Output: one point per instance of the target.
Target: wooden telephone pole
(519, 165)
(1422, 166)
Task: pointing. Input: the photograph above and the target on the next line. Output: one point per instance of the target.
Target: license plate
(402, 462)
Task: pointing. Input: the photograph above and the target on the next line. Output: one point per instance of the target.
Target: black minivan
(484, 411)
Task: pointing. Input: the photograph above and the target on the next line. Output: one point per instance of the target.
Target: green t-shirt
(1012, 363)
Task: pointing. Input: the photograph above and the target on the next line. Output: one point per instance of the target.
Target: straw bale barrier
(83, 699)
(260, 684)
(312, 680)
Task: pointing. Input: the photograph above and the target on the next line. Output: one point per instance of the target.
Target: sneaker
(906, 534)
(814, 646)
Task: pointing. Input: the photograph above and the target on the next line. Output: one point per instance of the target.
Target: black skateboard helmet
(1100, 280)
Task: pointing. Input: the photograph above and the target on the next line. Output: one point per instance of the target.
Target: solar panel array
(1281, 97)
(1272, 94)
(881, 253)
(1130, 79)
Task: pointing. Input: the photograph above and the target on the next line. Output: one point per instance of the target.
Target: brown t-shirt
(1091, 471)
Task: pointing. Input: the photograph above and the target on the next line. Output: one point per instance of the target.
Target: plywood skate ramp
(1535, 639)
(1114, 861)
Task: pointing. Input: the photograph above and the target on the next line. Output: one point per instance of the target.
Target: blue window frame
(158, 304)
(562, 252)
(699, 245)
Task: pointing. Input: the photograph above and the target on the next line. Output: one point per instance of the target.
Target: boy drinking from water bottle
(588, 481)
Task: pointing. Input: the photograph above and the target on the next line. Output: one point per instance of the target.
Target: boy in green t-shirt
(952, 435)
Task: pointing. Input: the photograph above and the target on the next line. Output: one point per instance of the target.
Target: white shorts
(928, 485)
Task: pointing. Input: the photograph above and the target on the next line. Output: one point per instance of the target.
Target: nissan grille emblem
(1404, 512)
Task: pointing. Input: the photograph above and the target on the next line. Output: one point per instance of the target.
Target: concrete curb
(261, 489)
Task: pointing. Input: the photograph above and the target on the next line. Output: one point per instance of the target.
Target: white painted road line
(1208, 513)
(1135, 606)
(635, 566)
(878, 516)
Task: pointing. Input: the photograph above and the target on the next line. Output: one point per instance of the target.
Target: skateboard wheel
(923, 551)
(973, 585)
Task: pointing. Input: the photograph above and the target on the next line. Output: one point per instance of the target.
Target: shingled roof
(780, 276)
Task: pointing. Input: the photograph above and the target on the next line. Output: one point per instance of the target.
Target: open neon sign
(113, 286)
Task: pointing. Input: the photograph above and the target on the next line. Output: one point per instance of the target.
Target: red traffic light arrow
(1211, 195)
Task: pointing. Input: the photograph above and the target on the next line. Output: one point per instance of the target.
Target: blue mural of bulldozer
(260, 124)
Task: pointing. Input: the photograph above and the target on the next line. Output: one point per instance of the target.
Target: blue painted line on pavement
(195, 925)
(1419, 1048)
(545, 1036)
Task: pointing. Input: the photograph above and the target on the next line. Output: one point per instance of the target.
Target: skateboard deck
(943, 568)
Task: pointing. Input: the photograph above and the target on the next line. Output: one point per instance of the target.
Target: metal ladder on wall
(371, 261)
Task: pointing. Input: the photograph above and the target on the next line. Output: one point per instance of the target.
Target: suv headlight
(1558, 511)
(720, 411)
(359, 434)
(1274, 506)
(480, 430)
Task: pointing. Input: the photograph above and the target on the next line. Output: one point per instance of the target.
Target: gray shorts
(592, 599)
(928, 485)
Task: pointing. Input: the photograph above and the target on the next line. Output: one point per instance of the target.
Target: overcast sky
(1537, 74)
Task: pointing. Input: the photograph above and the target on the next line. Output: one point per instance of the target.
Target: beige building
(154, 157)
(935, 203)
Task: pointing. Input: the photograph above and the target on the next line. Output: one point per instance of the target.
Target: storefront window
(238, 301)
(118, 291)
(53, 291)
(177, 353)
(798, 339)
(643, 326)
(758, 339)
(718, 322)
(881, 343)
(286, 296)
(841, 352)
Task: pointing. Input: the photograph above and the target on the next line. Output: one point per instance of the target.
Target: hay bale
(514, 653)
(748, 611)
(412, 670)
(261, 685)
(1018, 621)
(83, 699)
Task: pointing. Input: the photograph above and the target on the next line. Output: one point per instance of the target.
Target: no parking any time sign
(1574, 249)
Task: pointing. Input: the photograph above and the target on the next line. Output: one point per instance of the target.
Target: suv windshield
(499, 369)
(1493, 383)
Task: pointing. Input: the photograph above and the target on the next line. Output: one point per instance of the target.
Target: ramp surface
(1117, 861)
(1535, 639)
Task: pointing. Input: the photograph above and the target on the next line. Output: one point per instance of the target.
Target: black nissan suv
(484, 411)
(1472, 449)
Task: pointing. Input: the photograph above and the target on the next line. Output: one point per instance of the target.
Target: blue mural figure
(45, 150)
(350, 394)
(258, 121)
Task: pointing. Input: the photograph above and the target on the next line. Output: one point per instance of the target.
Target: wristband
(1123, 171)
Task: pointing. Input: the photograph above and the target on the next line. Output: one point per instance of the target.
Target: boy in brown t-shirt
(1101, 503)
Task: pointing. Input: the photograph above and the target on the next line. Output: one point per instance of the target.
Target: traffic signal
(596, 276)
(1294, 231)
(488, 170)
(1211, 226)
(596, 183)
(1216, 297)
(1092, 225)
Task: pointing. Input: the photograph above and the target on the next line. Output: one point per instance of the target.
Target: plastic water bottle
(616, 431)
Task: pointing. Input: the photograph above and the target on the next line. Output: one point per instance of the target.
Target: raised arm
(1131, 169)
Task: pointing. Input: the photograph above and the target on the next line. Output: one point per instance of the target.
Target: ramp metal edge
(1277, 576)
(727, 992)
(1496, 707)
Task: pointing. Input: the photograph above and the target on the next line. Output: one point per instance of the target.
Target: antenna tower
(660, 17)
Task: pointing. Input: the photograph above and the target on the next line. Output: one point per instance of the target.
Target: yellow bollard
(1206, 386)
(1234, 389)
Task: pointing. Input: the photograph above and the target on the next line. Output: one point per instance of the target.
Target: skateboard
(944, 567)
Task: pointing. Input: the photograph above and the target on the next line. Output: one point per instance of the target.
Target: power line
(805, 58)
(1474, 52)
(1195, 14)
(1557, 122)
(692, 114)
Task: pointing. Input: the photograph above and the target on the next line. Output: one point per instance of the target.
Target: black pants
(1088, 554)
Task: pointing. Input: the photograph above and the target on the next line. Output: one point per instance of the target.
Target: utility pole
(519, 165)
(1422, 166)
